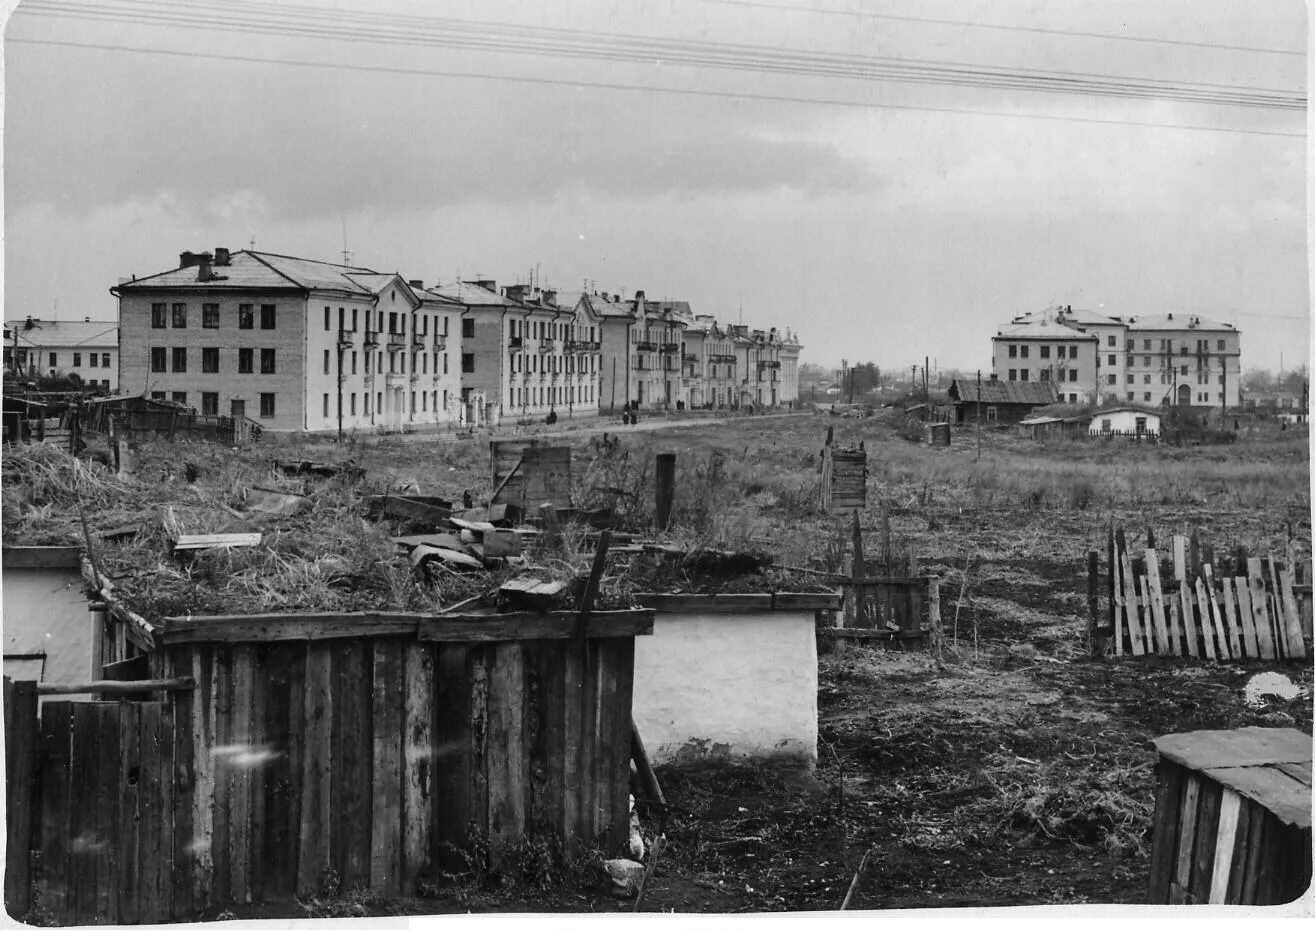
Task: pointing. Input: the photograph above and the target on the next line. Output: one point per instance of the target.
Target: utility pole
(979, 415)
(341, 336)
(926, 395)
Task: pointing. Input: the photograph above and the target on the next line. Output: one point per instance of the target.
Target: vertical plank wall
(377, 761)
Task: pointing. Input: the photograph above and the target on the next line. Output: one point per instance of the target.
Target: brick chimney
(222, 256)
(187, 259)
(417, 283)
(515, 292)
(203, 270)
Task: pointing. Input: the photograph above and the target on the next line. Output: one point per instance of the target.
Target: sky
(881, 219)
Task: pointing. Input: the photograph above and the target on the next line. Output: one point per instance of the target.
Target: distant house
(86, 348)
(999, 401)
(1045, 429)
(1132, 422)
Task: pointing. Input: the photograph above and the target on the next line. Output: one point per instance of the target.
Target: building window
(209, 319)
(179, 397)
(326, 358)
(1146, 379)
(267, 362)
(1112, 343)
(1130, 396)
(354, 319)
(210, 403)
(1106, 425)
(353, 361)
(468, 328)
(158, 316)
(1072, 399)
(1130, 378)
(157, 395)
(366, 395)
(1221, 345)
(180, 316)
(1146, 346)
(326, 394)
(445, 363)
(1045, 374)
(1045, 352)
(353, 403)
(244, 361)
(467, 362)
(266, 404)
(1184, 370)
(158, 356)
(245, 316)
(209, 359)
(267, 314)
(1013, 351)
(1072, 374)
(92, 357)
(1022, 374)
(1013, 374)
(180, 359)
(1022, 352)
(77, 359)
(105, 360)
(1113, 378)
(1060, 351)
(328, 325)
(1113, 358)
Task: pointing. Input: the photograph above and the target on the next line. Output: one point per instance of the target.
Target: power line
(565, 43)
(864, 14)
(605, 85)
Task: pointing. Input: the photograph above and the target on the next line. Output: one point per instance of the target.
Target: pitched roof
(471, 295)
(1042, 329)
(260, 270)
(1005, 392)
(1175, 322)
(1132, 408)
(71, 333)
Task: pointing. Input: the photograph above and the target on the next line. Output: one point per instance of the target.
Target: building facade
(1046, 350)
(294, 344)
(86, 348)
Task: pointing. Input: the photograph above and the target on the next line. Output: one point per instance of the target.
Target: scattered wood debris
(205, 541)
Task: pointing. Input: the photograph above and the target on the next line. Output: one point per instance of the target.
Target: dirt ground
(1006, 767)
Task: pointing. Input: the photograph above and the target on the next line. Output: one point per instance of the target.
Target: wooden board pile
(1249, 609)
(844, 477)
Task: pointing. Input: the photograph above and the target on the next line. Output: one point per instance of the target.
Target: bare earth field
(1008, 767)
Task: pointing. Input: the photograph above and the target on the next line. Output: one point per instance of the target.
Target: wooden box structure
(279, 753)
(528, 475)
(1232, 817)
(844, 477)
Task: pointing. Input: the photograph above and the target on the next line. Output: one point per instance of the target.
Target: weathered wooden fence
(886, 597)
(368, 750)
(844, 477)
(527, 475)
(1251, 608)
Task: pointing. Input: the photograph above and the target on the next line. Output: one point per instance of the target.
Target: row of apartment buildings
(1154, 359)
(86, 348)
(299, 344)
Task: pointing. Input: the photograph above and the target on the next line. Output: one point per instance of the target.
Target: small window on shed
(991, 414)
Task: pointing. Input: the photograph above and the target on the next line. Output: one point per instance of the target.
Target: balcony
(440, 343)
(768, 364)
(345, 339)
(690, 357)
(371, 339)
(581, 345)
(369, 379)
(722, 358)
(419, 344)
(515, 343)
(645, 345)
(671, 347)
(547, 345)
(396, 341)
(394, 379)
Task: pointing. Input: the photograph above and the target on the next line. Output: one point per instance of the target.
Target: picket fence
(1249, 609)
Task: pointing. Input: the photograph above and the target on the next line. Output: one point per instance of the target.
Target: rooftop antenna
(346, 256)
(251, 243)
(741, 307)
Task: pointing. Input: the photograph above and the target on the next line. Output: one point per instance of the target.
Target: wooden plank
(202, 541)
(621, 699)
(478, 660)
(53, 876)
(351, 755)
(1225, 840)
(1261, 860)
(418, 777)
(1187, 829)
(533, 748)
(1156, 597)
(558, 625)
(389, 681)
(110, 687)
(1118, 598)
(1207, 824)
(1187, 616)
(1242, 746)
(127, 845)
(1208, 634)
(1164, 831)
(1131, 605)
(573, 728)
(1298, 771)
(21, 729)
(1291, 614)
(163, 877)
(201, 845)
(102, 797)
(1260, 610)
(451, 758)
(1245, 618)
(504, 742)
(155, 874)
(1241, 851)
(41, 557)
(257, 771)
(294, 765)
(82, 816)
(235, 762)
(274, 834)
(608, 756)
(313, 831)
(1179, 557)
(1228, 603)
(811, 601)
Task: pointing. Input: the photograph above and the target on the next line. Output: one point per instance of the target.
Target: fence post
(20, 793)
(1093, 600)
(665, 486)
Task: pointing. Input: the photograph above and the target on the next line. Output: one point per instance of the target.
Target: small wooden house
(999, 401)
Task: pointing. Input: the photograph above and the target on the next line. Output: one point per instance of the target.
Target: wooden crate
(1232, 817)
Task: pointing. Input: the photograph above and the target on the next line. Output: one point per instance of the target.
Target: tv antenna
(346, 256)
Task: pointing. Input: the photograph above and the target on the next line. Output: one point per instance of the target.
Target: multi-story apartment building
(524, 356)
(694, 362)
(722, 378)
(1046, 349)
(86, 348)
(790, 349)
(758, 360)
(641, 350)
(1181, 360)
(296, 344)
(1160, 359)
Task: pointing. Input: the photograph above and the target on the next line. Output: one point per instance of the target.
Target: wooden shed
(1232, 817)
